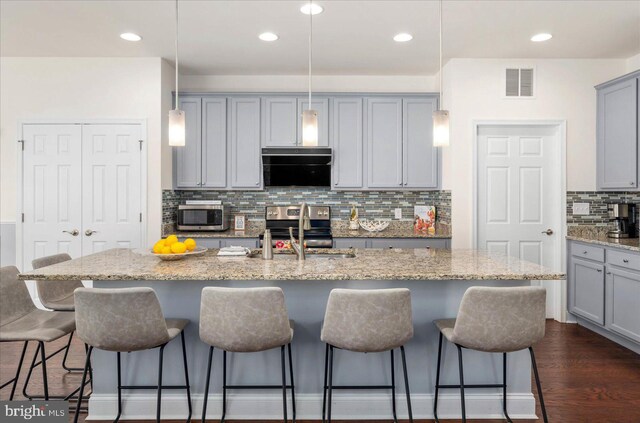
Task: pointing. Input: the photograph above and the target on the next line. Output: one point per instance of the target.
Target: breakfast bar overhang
(436, 278)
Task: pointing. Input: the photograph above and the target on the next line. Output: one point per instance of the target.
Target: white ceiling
(350, 37)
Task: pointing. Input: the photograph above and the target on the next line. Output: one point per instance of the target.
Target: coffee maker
(623, 215)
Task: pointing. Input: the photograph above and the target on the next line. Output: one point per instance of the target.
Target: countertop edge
(605, 243)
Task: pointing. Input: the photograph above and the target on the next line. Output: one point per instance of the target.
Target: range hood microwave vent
(296, 166)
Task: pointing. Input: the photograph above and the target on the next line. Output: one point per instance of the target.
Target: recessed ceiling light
(312, 8)
(402, 37)
(130, 36)
(541, 37)
(268, 36)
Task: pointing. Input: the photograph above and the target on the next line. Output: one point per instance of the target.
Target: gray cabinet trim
(420, 159)
(623, 303)
(588, 289)
(348, 154)
(214, 143)
(384, 142)
(279, 117)
(244, 139)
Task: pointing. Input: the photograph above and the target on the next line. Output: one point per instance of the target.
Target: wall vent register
(519, 82)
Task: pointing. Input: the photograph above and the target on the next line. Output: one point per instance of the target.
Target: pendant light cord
(177, 71)
(440, 76)
(310, 48)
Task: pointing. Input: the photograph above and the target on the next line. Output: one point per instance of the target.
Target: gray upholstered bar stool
(367, 321)
(127, 320)
(21, 321)
(246, 320)
(495, 320)
(57, 295)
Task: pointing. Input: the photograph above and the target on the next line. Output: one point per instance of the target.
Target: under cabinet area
(379, 142)
(603, 285)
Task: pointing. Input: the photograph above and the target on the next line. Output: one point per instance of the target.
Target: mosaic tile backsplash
(598, 201)
(371, 204)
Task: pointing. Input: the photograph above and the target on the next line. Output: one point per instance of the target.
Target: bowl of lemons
(171, 248)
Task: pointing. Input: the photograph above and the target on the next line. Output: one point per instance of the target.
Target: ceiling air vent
(519, 82)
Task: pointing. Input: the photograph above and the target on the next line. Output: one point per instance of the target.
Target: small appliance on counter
(278, 219)
(623, 215)
(202, 217)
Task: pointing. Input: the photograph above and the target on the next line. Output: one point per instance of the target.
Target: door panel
(384, 142)
(420, 157)
(280, 117)
(321, 105)
(587, 287)
(189, 158)
(52, 183)
(623, 302)
(214, 142)
(111, 187)
(246, 166)
(347, 143)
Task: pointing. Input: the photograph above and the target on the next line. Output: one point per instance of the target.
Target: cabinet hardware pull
(608, 273)
(625, 261)
(584, 252)
(599, 270)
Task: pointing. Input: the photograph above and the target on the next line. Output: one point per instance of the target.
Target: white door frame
(560, 289)
(20, 173)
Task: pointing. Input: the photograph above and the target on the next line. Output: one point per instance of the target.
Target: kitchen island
(437, 280)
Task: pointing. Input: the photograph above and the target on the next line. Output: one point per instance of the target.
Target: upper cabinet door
(214, 142)
(321, 105)
(189, 158)
(347, 148)
(617, 158)
(280, 117)
(384, 142)
(246, 167)
(420, 157)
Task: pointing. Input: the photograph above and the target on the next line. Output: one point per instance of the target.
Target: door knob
(74, 232)
(548, 232)
(89, 232)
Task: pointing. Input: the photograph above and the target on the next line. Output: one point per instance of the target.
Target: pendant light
(176, 116)
(310, 116)
(440, 117)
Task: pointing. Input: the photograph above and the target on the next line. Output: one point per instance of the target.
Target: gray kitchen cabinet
(321, 105)
(623, 302)
(214, 143)
(384, 142)
(348, 156)
(240, 242)
(356, 242)
(279, 116)
(244, 143)
(587, 285)
(349, 243)
(420, 157)
(187, 159)
(618, 120)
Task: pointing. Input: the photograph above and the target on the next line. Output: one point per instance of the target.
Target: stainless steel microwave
(203, 217)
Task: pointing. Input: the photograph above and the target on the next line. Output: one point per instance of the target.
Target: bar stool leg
(186, 375)
(330, 382)
(324, 386)
(435, 401)
(159, 402)
(293, 387)
(393, 388)
(206, 386)
(504, 387)
(26, 382)
(66, 354)
(15, 380)
(284, 384)
(464, 414)
(43, 357)
(87, 363)
(224, 386)
(119, 388)
(406, 384)
(538, 386)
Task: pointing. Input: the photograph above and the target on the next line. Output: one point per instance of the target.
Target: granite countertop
(340, 229)
(598, 235)
(368, 264)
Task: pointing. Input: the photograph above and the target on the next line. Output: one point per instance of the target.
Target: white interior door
(51, 196)
(518, 194)
(112, 205)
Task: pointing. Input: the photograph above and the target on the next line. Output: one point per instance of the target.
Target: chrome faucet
(304, 223)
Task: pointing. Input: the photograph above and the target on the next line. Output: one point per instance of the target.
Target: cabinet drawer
(623, 259)
(587, 251)
(408, 243)
(349, 243)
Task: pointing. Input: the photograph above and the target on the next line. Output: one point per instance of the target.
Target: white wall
(564, 90)
(80, 88)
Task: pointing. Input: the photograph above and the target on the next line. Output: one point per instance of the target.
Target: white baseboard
(356, 406)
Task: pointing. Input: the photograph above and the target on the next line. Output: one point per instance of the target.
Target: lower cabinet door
(349, 243)
(408, 243)
(239, 242)
(587, 290)
(623, 303)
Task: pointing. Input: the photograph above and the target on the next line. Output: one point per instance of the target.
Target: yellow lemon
(178, 247)
(190, 243)
(166, 250)
(157, 248)
(171, 239)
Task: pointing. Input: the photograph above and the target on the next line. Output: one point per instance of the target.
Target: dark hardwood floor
(585, 377)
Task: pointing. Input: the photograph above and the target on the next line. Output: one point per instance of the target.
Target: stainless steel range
(280, 218)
